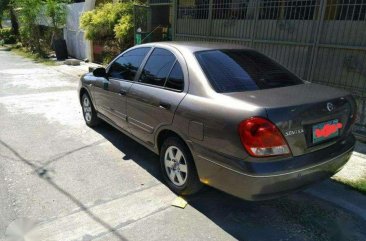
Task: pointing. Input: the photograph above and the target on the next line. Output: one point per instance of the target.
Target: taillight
(261, 138)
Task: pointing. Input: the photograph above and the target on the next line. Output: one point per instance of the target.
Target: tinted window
(176, 78)
(240, 70)
(157, 67)
(126, 66)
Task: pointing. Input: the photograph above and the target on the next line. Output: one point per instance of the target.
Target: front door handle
(122, 92)
(164, 105)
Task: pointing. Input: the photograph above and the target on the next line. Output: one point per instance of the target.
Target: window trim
(138, 74)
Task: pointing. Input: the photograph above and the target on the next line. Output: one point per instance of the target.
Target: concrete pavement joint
(121, 226)
(106, 217)
(102, 202)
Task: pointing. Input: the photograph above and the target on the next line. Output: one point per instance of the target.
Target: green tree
(29, 13)
(56, 11)
(6, 5)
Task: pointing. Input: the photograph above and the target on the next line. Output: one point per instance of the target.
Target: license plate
(326, 130)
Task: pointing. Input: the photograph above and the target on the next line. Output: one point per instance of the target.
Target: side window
(157, 67)
(176, 78)
(126, 66)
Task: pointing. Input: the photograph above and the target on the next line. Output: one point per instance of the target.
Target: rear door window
(176, 78)
(157, 67)
(126, 66)
(243, 70)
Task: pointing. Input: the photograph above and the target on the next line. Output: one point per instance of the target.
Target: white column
(89, 5)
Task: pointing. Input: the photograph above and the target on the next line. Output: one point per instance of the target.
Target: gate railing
(322, 41)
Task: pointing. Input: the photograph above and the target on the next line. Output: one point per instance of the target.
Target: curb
(340, 195)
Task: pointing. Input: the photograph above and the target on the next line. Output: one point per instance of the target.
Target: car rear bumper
(258, 186)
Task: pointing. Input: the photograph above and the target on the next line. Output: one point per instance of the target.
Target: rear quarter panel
(209, 121)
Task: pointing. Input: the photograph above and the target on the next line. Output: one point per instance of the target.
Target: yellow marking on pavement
(179, 202)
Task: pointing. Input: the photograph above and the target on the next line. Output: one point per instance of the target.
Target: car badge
(330, 107)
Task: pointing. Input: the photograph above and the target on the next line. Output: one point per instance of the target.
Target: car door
(153, 99)
(110, 93)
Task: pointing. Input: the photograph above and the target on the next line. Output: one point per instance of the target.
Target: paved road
(79, 183)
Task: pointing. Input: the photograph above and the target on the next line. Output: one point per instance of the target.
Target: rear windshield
(241, 70)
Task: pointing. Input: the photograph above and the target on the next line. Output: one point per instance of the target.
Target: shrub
(112, 23)
(6, 36)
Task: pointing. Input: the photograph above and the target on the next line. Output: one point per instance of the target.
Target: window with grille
(193, 9)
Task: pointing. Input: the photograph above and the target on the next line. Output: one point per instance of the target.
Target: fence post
(315, 47)
(173, 24)
(255, 19)
(210, 9)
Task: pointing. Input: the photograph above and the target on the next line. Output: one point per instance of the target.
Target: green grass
(359, 185)
(35, 57)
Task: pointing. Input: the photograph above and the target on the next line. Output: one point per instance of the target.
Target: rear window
(241, 70)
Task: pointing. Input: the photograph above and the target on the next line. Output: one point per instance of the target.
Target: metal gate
(322, 41)
(153, 22)
(142, 15)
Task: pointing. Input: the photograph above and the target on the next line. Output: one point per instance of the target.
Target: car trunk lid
(310, 116)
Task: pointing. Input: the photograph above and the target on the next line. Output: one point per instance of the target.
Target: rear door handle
(164, 105)
(122, 92)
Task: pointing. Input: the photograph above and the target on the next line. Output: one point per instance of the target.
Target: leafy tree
(56, 11)
(6, 5)
(29, 12)
(3, 6)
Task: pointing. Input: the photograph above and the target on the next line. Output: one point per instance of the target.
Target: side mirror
(100, 72)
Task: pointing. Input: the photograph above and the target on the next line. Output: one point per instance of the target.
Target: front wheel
(178, 167)
(89, 113)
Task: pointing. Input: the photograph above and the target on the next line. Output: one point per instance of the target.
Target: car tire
(89, 112)
(178, 168)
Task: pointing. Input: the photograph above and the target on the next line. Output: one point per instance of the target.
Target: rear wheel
(178, 167)
(89, 113)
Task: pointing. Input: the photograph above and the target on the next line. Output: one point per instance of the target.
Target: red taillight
(261, 138)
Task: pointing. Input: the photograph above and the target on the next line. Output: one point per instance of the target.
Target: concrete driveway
(77, 183)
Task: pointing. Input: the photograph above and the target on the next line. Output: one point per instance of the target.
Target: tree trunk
(14, 21)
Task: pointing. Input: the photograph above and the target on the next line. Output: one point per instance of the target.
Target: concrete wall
(74, 36)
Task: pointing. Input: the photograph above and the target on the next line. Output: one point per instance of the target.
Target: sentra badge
(294, 132)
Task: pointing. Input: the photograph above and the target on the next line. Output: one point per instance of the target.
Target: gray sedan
(222, 115)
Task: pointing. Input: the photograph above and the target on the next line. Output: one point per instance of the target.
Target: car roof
(196, 46)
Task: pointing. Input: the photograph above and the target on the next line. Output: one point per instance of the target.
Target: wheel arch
(83, 91)
(167, 132)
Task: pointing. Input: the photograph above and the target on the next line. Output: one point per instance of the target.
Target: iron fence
(322, 41)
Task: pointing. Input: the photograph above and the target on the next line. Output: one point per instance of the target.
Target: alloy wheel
(87, 109)
(175, 166)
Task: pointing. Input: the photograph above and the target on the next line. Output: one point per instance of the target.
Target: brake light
(261, 138)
